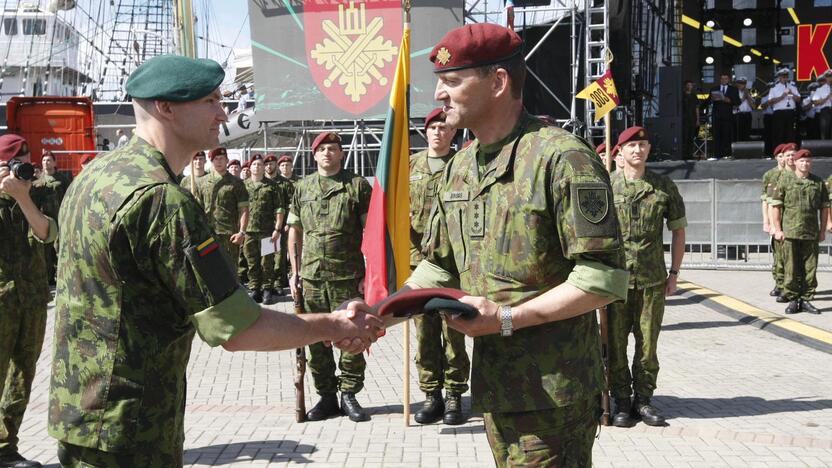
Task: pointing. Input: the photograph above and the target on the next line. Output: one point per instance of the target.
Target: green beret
(174, 78)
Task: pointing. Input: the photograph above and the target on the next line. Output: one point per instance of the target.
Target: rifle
(300, 353)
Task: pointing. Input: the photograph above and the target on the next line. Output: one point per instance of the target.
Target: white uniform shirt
(744, 106)
(809, 110)
(821, 93)
(767, 110)
(780, 89)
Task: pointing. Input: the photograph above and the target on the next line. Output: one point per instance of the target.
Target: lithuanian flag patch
(207, 247)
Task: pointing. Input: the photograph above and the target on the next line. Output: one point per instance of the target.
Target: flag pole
(406, 330)
(603, 317)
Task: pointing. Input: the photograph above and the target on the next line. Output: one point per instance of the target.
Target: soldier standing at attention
(271, 167)
(225, 200)
(24, 293)
(326, 224)
(141, 272)
(525, 224)
(644, 200)
(768, 177)
(267, 210)
(441, 358)
(289, 180)
(801, 208)
(786, 150)
(55, 185)
(234, 168)
(199, 170)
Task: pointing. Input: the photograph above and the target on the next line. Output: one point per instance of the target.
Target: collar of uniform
(157, 155)
(503, 147)
(336, 186)
(420, 161)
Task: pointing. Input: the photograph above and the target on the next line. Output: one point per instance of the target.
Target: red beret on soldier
(632, 134)
(284, 158)
(12, 145)
(199, 154)
(788, 147)
(800, 154)
(256, 157)
(475, 45)
(217, 152)
(601, 149)
(269, 158)
(326, 137)
(436, 114)
(778, 149)
(233, 162)
(246, 165)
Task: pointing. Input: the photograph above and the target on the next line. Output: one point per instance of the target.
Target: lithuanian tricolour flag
(386, 243)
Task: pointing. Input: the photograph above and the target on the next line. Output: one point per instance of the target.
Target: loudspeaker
(748, 150)
(620, 40)
(667, 128)
(819, 148)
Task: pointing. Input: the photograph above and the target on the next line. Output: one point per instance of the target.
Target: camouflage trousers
(51, 262)
(326, 296)
(441, 358)
(800, 262)
(556, 437)
(232, 249)
(777, 270)
(74, 456)
(281, 267)
(260, 267)
(642, 316)
(22, 328)
(242, 267)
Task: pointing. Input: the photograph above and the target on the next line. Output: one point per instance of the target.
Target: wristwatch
(506, 327)
(674, 272)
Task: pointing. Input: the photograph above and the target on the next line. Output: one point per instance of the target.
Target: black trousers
(782, 127)
(743, 126)
(767, 137)
(825, 123)
(723, 131)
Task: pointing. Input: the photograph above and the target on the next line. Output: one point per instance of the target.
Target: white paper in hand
(266, 246)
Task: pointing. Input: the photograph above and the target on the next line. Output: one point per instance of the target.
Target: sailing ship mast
(186, 44)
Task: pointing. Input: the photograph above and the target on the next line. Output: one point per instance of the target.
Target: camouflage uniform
(331, 211)
(223, 198)
(641, 205)
(186, 182)
(139, 273)
(441, 358)
(265, 202)
(24, 293)
(281, 279)
(55, 187)
(800, 200)
(769, 179)
(515, 219)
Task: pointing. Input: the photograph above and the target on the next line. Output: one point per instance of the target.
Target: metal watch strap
(506, 327)
(674, 272)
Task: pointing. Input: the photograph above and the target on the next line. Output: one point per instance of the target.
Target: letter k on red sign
(811, 40)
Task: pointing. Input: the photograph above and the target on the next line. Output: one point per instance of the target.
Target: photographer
(24, 291)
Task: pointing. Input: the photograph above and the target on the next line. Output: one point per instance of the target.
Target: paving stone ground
(734, 395)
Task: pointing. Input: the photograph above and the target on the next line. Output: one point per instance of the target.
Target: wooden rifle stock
(300, 353)
(605, 357)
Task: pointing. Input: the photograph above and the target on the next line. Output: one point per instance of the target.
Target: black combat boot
(781, 299)
(775, 292)
(15, 460)
(793, 307)
(622, 416)
(453, 409)
(257, 295)
(326, 408)
(642, 409)
(351, 407)
(432, 408)
(269, 296)
(807, 306)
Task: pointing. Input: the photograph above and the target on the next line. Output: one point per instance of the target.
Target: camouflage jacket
(424, 186)
(139, 271)
(23, 278)
(54, 188)
(332, 214)
(223, 198)
(514, 220)
(768, 179)
(186, 182)
(642, 205)
(800, 199)
(266, 200)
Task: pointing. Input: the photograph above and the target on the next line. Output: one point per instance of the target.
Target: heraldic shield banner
(335, 59)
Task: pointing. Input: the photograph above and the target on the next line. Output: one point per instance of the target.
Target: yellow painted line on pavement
(769, 318)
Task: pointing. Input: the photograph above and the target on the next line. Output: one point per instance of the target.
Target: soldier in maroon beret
(234, 167)
(270, 162)
(287, 180)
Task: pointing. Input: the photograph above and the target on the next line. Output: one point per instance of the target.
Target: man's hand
(238, 238)
(356, 328)
(670, 285)
(293, 287)
(486, 323)
(779, 235)
(275, 235)
(15, 187)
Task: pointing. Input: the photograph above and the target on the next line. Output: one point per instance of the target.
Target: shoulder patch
(213, 268)
(591, 214)
(592, 202)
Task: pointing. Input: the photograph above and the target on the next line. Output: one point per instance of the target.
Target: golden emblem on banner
(354, 52)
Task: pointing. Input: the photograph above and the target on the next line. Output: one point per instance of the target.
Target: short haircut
(516, 69)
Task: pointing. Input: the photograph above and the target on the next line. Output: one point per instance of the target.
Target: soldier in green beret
(326, 224)
(225, 200)
(267, 211)
(525, 225)
(141, 272)
(24, 292)
(644, 201)
(801, 209)
(441, 358)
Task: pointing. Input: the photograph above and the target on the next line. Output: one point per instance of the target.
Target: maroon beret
(326, 137)
(12, 145)
(475, 45)
(256, 157)
(800, 154)
(417, 301)
(436, 114)
(199, 154)
(246, 165)
(233, 162)
(632, 134)
(601, 149)
(788, 147)
(615, 149)
(217, 152)
(284, 158)
(269, 158)
(778, 149)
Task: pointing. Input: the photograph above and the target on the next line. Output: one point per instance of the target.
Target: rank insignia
(477, 213)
